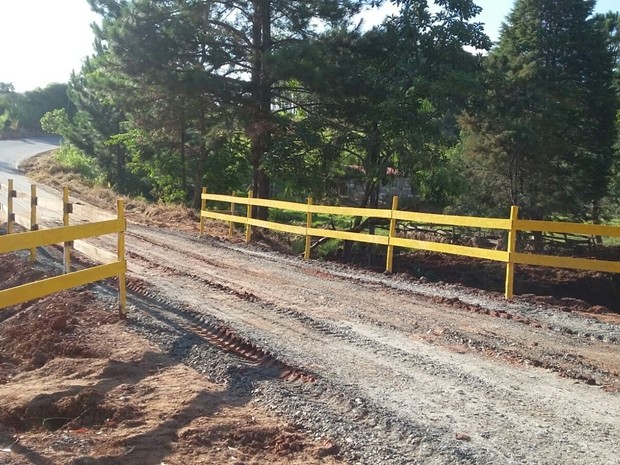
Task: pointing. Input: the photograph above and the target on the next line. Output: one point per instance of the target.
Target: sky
(42, 41)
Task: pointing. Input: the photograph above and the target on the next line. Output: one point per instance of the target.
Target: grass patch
(73, 159)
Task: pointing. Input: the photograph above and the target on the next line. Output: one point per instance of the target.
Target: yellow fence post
(308, 226)
(232, 213)
(389, 262)
(33, 218)
(512, 248)
(10, 218)
(122, 285)
(248, 227)
(67, 208)
(203, 207)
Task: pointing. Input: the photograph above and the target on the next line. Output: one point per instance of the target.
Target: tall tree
(610, 23)
(542, 136)
(391, 95)
(226, 52)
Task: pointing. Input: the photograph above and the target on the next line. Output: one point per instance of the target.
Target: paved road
(13, 152)
(49, 210)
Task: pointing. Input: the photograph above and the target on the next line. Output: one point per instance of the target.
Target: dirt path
(473, 380)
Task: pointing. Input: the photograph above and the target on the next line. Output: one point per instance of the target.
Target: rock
(575, 304)
(597, 309)
(59, 323)
(462, 437)
(38, 359)
(83, 461)
(329, 449)
(546, 299)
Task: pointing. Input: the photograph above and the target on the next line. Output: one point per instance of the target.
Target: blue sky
(42, 41)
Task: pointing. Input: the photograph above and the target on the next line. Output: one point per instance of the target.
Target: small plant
(71, 158)
(329, 249)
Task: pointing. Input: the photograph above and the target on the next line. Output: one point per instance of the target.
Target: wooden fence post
(232, 213)
(248, 227)
(122, 285)
(10, 218)
(203, 207)
(512, 247)
(308, 226)
(33, 218)
(67, 208)
(390, 250)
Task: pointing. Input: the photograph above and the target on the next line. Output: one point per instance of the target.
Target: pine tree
(542, 137)
(226, 52)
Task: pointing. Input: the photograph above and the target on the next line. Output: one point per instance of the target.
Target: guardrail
(39, 236)
(512, 225)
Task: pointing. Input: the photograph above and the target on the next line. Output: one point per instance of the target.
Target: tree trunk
(121, 182)
(596, 219)
(202, 160)
(260, 127)
(183, 159)
(539, 243)
(373, 169)
(121, 171)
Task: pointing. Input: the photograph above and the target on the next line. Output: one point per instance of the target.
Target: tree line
(293, 98)
(21, 113)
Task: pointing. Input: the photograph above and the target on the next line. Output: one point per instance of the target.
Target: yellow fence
(66, 235)
(509, 256)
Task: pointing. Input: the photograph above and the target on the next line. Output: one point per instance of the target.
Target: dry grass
(44, 169)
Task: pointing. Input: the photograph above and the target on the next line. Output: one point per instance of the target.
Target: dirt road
(409, 375)
(404, 372)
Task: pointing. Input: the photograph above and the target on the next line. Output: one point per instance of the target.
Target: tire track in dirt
(227, 339)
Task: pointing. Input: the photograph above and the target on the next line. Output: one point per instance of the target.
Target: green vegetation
(292, 99)
(21, 113)
(74, 159)
(542, 136)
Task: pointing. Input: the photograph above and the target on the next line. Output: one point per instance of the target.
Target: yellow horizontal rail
(225, 198)
(349, 236)
(567, 262)
(223, 216)
(568, 228)
(288, 228)
(30, 239)
(49, 286)
(301, 207)
(487, 254)
(451, 220)
(279, 204)
(351, 211)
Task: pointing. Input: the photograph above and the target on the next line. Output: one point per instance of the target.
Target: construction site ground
(237, 353)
